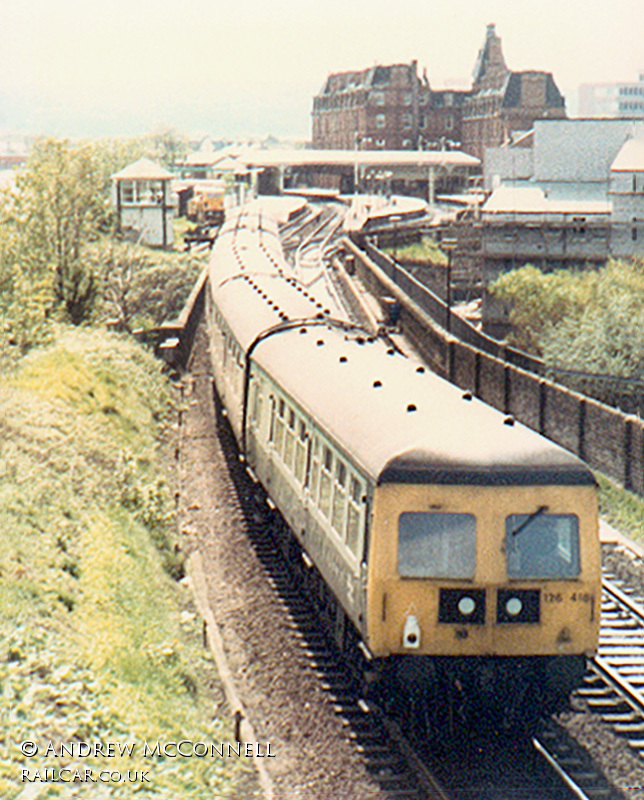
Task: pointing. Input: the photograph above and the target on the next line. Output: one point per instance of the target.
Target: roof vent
(508, 421)
(420, 370)
(320, 342)
(467, 395)
(343, 359)
(412, 407)
(377, 384)
(391, 351)
(302, 330)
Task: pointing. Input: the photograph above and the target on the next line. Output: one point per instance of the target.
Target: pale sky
(243, 67)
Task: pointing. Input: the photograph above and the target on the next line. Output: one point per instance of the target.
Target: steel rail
(552, 762)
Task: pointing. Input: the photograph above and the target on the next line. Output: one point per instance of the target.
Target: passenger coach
(455, 546)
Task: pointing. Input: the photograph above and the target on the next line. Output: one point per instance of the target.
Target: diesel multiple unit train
(454, 548)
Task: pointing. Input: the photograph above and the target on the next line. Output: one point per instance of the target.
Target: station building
(385, 108)
(392, 108)
(503, 104)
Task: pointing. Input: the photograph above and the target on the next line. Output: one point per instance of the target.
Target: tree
(591, 321)
(607, 336)
(143, 288)
(539, 301)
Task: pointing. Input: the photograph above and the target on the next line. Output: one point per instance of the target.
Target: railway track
(614, 685)
(403, 769)
(381, 745)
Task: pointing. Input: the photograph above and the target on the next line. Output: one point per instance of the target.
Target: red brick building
(385, 108)
(392, 108)
(503, 102)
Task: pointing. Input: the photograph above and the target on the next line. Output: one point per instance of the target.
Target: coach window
(271, 429)
(289, 444)
(541, 545)
(315, 469)
(326, 481)
(339, 497)
(353, 520)
(436, 545)
(300, 452)
(279, 426)
(256, 405)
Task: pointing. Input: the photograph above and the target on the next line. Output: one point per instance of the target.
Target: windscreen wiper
(527, 521)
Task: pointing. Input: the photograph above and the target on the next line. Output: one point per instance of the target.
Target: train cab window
(540, 545)
(326, 481)
(339, 497)
(300, 452)
(353, 517)
(436, 545)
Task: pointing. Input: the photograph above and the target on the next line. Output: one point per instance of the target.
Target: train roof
(403, 424)
(252, 284)
(398, 421)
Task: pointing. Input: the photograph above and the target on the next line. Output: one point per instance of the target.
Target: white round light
(514, 606)
(466, 605)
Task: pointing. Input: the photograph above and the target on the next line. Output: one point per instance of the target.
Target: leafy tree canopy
(591, 321)
(54, 225)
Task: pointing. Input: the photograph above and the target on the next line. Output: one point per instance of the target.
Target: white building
(141, 194)
(573, 199)
(627, 195)
(612, 99)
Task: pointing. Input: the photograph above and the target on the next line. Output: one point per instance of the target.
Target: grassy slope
(97, 642)
(623, 510)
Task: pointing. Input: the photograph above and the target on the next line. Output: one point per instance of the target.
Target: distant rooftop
(630, 158)
(143, 170)
(534, 200)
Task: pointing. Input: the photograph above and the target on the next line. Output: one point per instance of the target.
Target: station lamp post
(394, 221)
(358, 138)
(448, 246)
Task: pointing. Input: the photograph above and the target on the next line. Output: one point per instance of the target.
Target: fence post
(581, 429)
(507, 388)
(542, 406)
(451, 360)
(628, 448)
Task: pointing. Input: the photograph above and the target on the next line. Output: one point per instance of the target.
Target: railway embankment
(100, 642)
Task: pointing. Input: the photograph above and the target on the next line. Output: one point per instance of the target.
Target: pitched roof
(143, 169)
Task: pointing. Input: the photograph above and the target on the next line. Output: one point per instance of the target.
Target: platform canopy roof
(372, 158)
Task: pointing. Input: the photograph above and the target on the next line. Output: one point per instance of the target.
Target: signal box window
(540, 545)
(436, 545)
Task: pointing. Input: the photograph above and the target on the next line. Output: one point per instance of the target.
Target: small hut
(143, 202)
